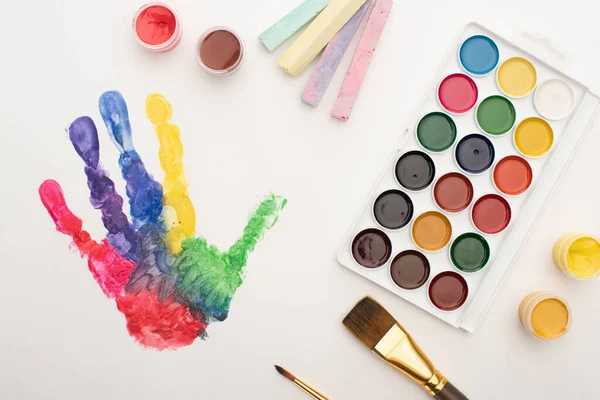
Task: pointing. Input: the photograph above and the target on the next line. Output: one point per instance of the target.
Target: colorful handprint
(169, 284)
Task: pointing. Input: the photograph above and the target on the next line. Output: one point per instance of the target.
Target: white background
(244, 136)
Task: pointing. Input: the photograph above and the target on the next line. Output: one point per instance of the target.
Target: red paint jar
(157, 27)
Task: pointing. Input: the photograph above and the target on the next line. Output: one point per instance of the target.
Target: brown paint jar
(220, 51)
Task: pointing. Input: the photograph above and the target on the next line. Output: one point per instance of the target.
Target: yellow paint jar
(533, 137)
(545, 316)
(577, 256)
(516, 77)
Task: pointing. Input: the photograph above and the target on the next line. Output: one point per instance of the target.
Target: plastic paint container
(393, 209)
(577, 255)
(453, 192)
(371, 248)
(470, 252)
(220, 51)
(474, 154)
(457, 93)
(495, 115)
(545, 316)
(431, 231)
(479, 55)
(512, 175)
(436, 132)
(533, 137)
(554, 99)
(157, 27)
(491, 214)
(516, 77)
(448, 291)
(415, 171)
(410, 270)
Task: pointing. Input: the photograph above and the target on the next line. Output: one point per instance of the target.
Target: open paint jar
(157, 27)
(470, 252)
(220, 51)
(577, 256)
(479, 55)
(516, 77)
(545, 316)
(393, 209)
(554, 99)
(457, 93)
(495, 115)
(453, 192)
(474, 154)
(431, 231)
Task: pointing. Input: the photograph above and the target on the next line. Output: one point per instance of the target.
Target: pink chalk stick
(362, 59)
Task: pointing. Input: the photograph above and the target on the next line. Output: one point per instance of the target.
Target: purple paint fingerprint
(103, 195)
(331, 58)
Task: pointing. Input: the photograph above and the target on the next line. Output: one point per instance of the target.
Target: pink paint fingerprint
(110, 270)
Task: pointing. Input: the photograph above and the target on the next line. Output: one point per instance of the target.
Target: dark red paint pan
(448, 291)
(491, 214)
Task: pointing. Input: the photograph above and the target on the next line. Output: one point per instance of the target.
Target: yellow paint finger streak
(179, 215)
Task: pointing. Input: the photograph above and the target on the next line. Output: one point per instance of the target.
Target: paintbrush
(312, 392)
(379, 331)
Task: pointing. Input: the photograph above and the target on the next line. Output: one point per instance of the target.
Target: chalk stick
(331, 58)
(287, 26)
(318, 34)
(362, 59)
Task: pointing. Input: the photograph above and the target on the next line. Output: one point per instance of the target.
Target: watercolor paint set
(456, 201)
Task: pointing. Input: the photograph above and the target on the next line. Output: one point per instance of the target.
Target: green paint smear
(207, 277)
(496, 115)
(470, 252)
(436, 132)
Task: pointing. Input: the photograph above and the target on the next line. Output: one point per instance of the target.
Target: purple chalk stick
(332, 55)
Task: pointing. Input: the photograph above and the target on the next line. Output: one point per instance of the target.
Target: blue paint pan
(479, 55)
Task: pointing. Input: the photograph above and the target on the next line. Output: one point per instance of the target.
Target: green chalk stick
(287, 26)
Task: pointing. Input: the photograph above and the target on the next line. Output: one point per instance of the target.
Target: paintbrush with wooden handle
(379, 331)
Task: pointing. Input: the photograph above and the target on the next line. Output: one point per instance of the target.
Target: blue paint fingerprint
(479, 55)
(144, 193)
(103, 195)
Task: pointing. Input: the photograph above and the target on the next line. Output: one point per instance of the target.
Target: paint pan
(453, 192)
(431, 231)
(496, 115)
(554, 99)
(577, 255)
(469, 177)
(491, 214)
(545, 316)
(157, 27)
(474, 154)
(436, 132)
(415, 170)
(512, 175)
(410, 269)
(479, 55)
(533, 137)
(220, 51)
(457, 93)
(371, 248)
(516, 77)
(448, 291)
(470, 252)
(393, 209)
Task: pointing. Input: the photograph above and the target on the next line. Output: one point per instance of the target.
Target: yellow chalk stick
(318, 34)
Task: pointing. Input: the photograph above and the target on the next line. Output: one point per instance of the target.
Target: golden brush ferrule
(309, 390)
(399, 350)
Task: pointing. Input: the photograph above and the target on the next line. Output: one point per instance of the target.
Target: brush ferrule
(399, 350)
(309, 390)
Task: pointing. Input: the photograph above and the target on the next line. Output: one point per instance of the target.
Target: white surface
(244, 136)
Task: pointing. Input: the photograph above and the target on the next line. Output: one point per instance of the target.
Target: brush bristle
(285, 373)
(369, 322)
